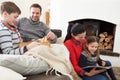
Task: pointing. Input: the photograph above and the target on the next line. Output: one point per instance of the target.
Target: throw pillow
(8, 74)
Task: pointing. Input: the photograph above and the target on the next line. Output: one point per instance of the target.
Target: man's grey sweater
(32, 30)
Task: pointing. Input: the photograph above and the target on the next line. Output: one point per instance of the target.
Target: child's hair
(77, 28)
(9, 7)
(91, 39)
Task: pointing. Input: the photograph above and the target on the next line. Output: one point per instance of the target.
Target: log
(102, 35)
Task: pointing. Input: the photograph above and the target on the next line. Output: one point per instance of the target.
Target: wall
(63, 11)
(25, 4)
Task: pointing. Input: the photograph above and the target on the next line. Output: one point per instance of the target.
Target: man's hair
(9, 7)
(36, 6)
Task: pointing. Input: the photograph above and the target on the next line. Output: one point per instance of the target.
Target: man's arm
(51, 37)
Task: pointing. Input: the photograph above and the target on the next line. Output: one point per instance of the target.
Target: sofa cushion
(26, 65)
(8, 74)
(57, 32)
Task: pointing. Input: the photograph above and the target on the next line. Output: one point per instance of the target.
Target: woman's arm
(94, 72)
(73, 58)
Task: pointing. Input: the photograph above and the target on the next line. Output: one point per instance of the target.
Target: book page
(98, 67)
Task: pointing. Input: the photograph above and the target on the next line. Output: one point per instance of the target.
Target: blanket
(57, 56)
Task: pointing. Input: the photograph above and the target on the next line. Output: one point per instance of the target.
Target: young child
(9, 35)
(90, 57)
(74, 43)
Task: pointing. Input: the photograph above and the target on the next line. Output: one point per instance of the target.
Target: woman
(75, 45)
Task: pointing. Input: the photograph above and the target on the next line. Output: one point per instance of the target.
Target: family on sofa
(54, 60)
(10, 39)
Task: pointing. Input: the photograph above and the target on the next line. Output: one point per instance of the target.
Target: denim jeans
(95, 77)
(103, 75)
(110, 71)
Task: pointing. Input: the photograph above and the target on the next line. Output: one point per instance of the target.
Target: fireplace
(103, 29)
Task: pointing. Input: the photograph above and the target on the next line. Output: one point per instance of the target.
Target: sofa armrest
(57, 32)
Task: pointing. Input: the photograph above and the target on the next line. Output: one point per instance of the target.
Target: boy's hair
(91, 39)
(36, 6)
(9, 7)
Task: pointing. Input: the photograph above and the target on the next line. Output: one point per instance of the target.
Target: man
(32, 28)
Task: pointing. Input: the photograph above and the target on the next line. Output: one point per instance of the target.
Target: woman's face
(79, 37)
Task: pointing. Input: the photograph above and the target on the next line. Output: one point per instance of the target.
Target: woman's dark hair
(75, 29)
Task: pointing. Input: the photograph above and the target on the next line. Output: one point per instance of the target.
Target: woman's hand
(94, 72)
(103, 63)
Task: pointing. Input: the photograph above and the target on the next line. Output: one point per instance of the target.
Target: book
(98, 67)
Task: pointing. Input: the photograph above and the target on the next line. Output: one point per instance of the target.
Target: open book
(98, 67)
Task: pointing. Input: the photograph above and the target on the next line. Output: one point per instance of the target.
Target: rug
(116, 72)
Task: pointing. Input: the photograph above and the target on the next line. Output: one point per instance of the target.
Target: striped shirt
(9, 41)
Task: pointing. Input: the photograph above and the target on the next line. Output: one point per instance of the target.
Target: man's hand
(50, 36)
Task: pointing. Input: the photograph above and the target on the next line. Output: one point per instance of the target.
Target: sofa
(43, 76)
(11, 61)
